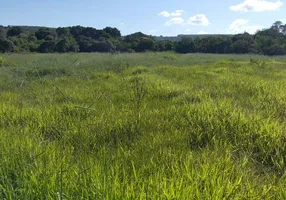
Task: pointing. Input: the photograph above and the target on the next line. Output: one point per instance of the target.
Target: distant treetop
(271, 41)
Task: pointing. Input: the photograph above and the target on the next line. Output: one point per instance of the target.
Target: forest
(25, 39)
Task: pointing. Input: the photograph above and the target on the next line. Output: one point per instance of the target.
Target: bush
(130, 51)
(1, 61)
(171, 56)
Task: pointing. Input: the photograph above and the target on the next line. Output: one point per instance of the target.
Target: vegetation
(142, 126)
(270, 41)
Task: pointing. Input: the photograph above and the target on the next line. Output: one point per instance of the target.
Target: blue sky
(169, 17)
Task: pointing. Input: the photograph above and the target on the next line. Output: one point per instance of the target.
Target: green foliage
(47, 47)
(88, 39)
(1, 61)
(67, 44)
(63, 32)
(2, 33)
(101, 46)
(6, 45)
(170, 56)
(135, 37)
(45, 34)
(114, 32)
(144, 44)
(186, 45)
(14, 31)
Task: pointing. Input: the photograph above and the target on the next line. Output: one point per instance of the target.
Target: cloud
(152, 31)
(199, 19)
(191, 32)
(121, 23)
(176, 13)
(202, 33)
(257, 6)
(283, 21)
(240, 26)
(175, 20)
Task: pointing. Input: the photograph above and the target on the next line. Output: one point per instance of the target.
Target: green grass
(142, 126)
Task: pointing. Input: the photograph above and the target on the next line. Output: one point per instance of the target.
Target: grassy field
(142, 126)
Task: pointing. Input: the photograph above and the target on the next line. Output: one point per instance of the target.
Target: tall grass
(142, 126)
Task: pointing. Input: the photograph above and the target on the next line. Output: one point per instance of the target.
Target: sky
(152, 17)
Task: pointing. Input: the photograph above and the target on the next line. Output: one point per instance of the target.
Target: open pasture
(142, 126)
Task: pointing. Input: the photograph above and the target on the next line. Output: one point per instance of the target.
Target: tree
(102, 35)
(135, 37)
(160, 45)
(84, 43)
(32, 37)
(145, 44)
(76, 31)
(283, 29)
(101, 46)
(63, 32)
(277, 26)
(240, 46)
(207, 44)
(90, 32)
(47, 47)
(6, 45)
(14, 31)
(2, 33)
(223, 45)
(276, 49)
(271, 41)
(186, 45)
(114, 32)
(67, 45)
(45, 34)
(62, 46)
(169, 46)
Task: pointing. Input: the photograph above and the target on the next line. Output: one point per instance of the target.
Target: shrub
(1, 61)
(171, 56)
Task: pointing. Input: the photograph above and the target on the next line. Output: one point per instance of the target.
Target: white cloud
(164, 14)
(283, 21)
(202, 33)
(191, 32)
(199, 19)
(175, 20)
(240, 26)
(176, 13)
(257, 6)
(152, 31)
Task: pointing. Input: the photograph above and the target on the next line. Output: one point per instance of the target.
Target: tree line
(271, 41)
